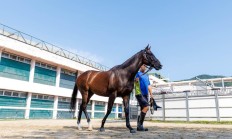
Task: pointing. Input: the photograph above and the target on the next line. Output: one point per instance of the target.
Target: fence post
(163, 97)
(217, 105)
(187, 105)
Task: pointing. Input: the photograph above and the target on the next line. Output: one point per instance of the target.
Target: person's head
(143, 68)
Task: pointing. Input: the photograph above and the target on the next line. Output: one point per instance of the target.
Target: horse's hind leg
(85, 111)
(79, 118)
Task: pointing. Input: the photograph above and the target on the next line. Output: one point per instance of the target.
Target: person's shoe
(140, 122)
(141, 128)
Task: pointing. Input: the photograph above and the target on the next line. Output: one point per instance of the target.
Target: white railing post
(217, 105)
(28, 105)
(163, 98)
(187, 105)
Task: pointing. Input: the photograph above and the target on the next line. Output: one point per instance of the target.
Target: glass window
(34, 96)
(68, 99)
(21, 59)
(5, 55)
(45, 97)
(51, 97)
(60, 99)
(23, 94)
(43, 65)
(40, 96)
(1, 93)
(7, 93)
(28, 61)
(15, 94)
(49, 67)
(54, 68)
(37, 64)
(63, 99)
(13, 57)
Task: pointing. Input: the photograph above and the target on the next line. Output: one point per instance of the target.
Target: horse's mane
(127, 62)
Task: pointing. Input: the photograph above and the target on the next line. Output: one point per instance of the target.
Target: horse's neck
(133, 67)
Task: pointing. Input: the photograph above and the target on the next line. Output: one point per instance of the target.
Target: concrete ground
(114, 129)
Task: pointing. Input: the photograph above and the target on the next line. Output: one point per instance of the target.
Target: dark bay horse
(116, 82)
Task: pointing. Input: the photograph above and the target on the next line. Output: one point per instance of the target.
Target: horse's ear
(147, 47)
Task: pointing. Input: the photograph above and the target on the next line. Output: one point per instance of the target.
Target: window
(23, 94)
(40, 96)
(13, 57)
(64, 99)
(43, 65)
(37, 64)
(28, 61)
(1, 93)
(68, 99)
(15, 94)
(68, 72)
(51, 97)
(7, 93)
(5, 55)
(34, 96)
(21, 59)
(60, 99)
(99, 103)
(16, 58)
(45, 97)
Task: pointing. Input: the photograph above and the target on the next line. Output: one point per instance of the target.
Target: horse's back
(95, 81)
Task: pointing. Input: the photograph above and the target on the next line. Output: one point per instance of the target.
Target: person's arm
(150, 91)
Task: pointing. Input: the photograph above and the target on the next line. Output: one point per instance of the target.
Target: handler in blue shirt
(142, 87)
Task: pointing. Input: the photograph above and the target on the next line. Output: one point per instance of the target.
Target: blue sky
(189, 37)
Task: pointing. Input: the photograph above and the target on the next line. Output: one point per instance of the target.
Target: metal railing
(187, 96)
(43, 45)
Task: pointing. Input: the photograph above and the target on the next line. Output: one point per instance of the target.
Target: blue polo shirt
(144, 82)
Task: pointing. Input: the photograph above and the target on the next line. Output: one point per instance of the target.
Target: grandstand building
(37, 79)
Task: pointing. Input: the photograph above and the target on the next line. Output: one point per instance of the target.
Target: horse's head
(150, 59)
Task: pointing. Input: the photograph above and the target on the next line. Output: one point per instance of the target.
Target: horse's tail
(73, 99)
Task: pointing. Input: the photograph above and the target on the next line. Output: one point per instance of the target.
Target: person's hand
(136, 79)
(151, 95)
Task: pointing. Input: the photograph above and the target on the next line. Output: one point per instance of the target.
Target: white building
(37, 79)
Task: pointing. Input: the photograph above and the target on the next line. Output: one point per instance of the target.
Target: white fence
(208, 105)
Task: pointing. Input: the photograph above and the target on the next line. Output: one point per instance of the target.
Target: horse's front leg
(126, 100)
(110, 105)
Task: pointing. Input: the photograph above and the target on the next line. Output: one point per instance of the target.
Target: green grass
(195, 122)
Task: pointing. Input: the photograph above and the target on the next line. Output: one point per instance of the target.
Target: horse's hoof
(132, 131)
(90, 129)
(79, 127)
(102, 129)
